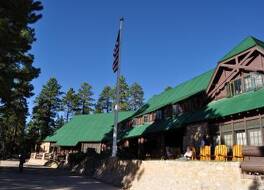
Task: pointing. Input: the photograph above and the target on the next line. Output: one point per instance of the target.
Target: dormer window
(258, 79)
(237, 86)
(251, 81)
(248, 83)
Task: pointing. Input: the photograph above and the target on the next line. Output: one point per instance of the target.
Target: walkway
(39, 177)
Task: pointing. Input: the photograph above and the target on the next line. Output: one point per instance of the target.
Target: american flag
(116, 53)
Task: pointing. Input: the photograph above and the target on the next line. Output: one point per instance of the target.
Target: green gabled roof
(86, 128)
(179, 93)
(244, 45)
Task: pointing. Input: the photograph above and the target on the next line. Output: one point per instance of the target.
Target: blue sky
(165, 42)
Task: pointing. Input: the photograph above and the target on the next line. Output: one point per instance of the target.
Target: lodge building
(224, 105)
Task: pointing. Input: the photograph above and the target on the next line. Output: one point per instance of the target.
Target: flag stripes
(115, 65)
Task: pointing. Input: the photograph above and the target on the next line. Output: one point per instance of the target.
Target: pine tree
(70, 103)
(16, 69)
(123, 94)
(47, 104)
(59, 122)
(104, 103)
(136, 94)
(85, 94)
(168, 88)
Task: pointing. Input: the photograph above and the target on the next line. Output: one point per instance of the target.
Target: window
(241, 138)
(237, 87)
(146, 118)
(257, 80)
(228, 139)
(253, 123)
(159, 114)
(234, 88)
(231, 89)
(248, 83)
(228, 90)
(176, 109)
(255, 137)
(253, 81)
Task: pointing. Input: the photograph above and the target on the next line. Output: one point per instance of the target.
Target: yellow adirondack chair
(205, 153)
(221, 152)
(237, 153)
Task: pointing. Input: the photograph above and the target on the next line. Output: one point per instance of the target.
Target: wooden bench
(253, 159)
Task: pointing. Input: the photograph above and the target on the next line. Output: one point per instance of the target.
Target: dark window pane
(237, 86)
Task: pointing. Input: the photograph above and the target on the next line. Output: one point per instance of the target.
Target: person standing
(21, 162)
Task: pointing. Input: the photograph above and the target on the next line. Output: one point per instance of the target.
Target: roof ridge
(93, 114)
(245, 44)
(258, 41)
(182, 83)
(195, 77)
(181, 91)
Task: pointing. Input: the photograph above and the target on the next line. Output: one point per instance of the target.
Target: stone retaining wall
(187, 175)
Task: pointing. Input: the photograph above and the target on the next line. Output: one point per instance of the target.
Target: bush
(76, 158)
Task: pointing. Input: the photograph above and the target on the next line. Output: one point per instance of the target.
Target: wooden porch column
(162, 146)
(140, 148)
(246, 132)
(233, 132)
(221, 134)
(261, 128)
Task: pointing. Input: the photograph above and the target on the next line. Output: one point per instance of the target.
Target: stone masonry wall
(192, 175)
(176, 174)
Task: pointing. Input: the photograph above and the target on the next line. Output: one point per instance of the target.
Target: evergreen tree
(123, 94)
(85, 94)
(16, 69)
(32, 135)
(47, 104)
(104, 103)
(59, 122)
(168, 88)
(136, 97)
(70, 103)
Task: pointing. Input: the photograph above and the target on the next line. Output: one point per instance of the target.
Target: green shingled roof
(158, 126)
(216, 109)
(244, 45)
(86, 128)
(229, 106)
(180, 92)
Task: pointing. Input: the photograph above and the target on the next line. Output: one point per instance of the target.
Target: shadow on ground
(46, 178)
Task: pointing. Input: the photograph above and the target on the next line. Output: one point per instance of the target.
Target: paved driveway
(38, 177)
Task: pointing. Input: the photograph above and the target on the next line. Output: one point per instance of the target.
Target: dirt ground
(39, 177)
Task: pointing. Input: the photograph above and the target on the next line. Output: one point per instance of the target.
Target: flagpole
(116, 108)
